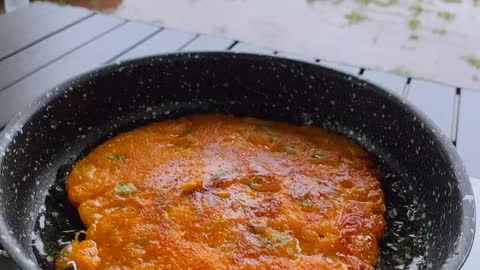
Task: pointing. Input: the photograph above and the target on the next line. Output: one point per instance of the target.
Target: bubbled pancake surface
(221, 192)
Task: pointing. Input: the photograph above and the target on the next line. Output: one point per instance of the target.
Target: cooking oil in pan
(402, 247)
(57, 224)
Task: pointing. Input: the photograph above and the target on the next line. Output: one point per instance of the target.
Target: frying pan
(430, 207)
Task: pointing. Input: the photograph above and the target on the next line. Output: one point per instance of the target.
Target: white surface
(319, 28)
(473, 261)
(11, 5)
(468, 141)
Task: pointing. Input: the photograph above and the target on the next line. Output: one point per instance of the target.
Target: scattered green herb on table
(381, 3)
(401, 71)
(417, 9)
(413, 24)
(355, 17)
(385, 3)
(447, 15)
(473, 61)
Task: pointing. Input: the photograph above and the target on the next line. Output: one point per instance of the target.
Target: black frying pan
(430, 208)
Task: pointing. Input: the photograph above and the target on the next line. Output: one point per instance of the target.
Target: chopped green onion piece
(306, 202)
(257, 183)
(186, 131)
(446, 15)
(278, 237)
(143, 241)
(264, 127)
(473, 61)
(125, 189)
(414, 24)
(272, 139)
(116, 157)
(291, 149)
(355, 17)
(318, 156)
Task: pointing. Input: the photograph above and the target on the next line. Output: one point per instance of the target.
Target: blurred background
(435, 39)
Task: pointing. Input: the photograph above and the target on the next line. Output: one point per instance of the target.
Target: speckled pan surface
(430, 206)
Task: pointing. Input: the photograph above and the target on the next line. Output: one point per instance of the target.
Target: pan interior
(402, 246)
(424, 184)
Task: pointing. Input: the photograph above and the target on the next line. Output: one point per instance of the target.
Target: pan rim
(15, 125)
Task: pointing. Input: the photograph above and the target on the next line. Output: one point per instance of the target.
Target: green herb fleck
(417, 9)
(272, 139)
(291, 149)
(385, 3)
(143, 241)
(381, 3)
(257, 183)
(116, 157)
(446, 15)
(125, 189)
(414, 24)
(439, 31)
(364, 2)
(261, 184)
(264, 127)
(186, 131)
(318, 156)
(401, 71)
(473, 61)
(355, 17)
(306, 202)
(278, 237)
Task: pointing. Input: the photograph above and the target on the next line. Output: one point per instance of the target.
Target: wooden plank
(249, 48)
(468, 140)
(208, 43)
(25, 26)
(165, 41)
(21, 14)
(392, 82)
(341, 67)
(23, 17)
(18, 96)
(20, 65)
(436, 101)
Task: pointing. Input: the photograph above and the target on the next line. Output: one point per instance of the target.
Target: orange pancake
(220, 192)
